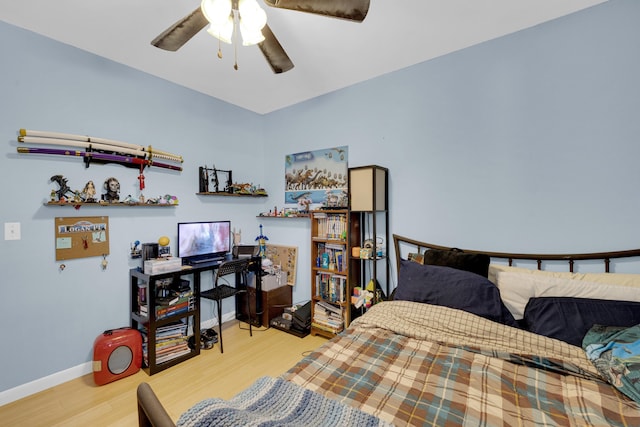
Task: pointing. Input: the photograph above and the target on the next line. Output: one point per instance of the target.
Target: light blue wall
(528, 143)
(52, 317)
(525, 143)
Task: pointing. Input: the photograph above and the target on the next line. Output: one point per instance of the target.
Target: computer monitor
(204, 241)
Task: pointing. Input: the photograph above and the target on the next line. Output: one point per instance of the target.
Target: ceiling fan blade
(174, 37)
(353, 10)
(273, 52)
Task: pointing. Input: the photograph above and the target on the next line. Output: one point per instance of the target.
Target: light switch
(11, 231)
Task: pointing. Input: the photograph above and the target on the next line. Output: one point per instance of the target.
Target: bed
(470, 338)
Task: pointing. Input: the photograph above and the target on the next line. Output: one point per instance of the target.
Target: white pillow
(516, 288)
(494, 269)
(622, 279)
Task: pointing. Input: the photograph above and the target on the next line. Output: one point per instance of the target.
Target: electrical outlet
(11, 231)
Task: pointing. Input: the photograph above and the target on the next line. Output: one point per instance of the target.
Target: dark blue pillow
(569, 319)
(452, 288)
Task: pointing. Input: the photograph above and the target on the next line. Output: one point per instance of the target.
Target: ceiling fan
(174, 37)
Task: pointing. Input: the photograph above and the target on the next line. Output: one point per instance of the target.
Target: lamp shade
(250, 36)
(252, 19)
(251, 14)
(368, 188)
(217, 12)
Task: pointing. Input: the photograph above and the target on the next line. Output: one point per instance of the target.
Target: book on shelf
(328, 317)
(170, 356)
(331, 256)
(326, 327)
(331, 225)
(171, 342)
(334, 322)
(331, 287)
(325, 306)
(174, 348)
(174, 298)
(166, 311)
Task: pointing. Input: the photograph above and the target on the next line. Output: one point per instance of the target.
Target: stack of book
(328, 317)
(175, 303)
(171, 342)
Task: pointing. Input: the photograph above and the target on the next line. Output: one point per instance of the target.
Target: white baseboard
(35, 386)
(44, 383)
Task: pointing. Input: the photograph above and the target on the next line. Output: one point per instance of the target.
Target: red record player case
(117, 353)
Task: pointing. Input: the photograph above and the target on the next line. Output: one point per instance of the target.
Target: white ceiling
(328, 54)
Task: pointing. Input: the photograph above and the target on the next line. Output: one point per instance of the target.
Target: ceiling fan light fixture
(250, 36)
(252, 19)
(222, 32)
(251, 14)
(217, 12)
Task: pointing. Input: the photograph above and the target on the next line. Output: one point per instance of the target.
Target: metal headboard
(399, 242)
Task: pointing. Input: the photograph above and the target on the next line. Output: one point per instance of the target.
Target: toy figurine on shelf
(136, 252)
(130, 200)
(112, 186)
(303, 204)
(164, 250)
(63, 188)
(168, 199)
(262, 242)
(88, 193)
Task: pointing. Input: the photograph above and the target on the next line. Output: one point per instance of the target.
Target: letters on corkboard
(81, 237)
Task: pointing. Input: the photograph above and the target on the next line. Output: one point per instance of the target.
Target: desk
(148, 317)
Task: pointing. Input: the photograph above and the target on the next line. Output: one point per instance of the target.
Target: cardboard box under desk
(274, 302)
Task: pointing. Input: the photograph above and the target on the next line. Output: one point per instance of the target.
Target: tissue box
(162, 265)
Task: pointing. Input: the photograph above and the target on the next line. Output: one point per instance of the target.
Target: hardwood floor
(80, 402)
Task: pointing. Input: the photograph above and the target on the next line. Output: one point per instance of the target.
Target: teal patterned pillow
(615, 352)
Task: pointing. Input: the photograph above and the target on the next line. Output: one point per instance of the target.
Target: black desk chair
(220, 291)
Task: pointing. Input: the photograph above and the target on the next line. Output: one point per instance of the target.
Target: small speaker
(150, 251)
(117, 353)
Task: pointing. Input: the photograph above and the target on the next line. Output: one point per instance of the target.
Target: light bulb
(216, 11)
(222, 32)
(251, 14)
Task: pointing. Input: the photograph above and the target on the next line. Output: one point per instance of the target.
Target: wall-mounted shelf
(283, 216)
(225, 194)
(78, 204)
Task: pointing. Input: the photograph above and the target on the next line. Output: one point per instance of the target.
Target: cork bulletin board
(287, 257)
(81, 237)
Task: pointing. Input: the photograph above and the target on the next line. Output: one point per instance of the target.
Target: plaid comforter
(419, 364)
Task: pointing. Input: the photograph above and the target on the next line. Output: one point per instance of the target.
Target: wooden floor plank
(80, 402)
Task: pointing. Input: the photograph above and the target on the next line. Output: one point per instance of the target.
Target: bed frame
(404, 245)
(151, 413)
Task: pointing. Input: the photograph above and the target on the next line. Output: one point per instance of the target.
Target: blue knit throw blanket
(276, 402)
